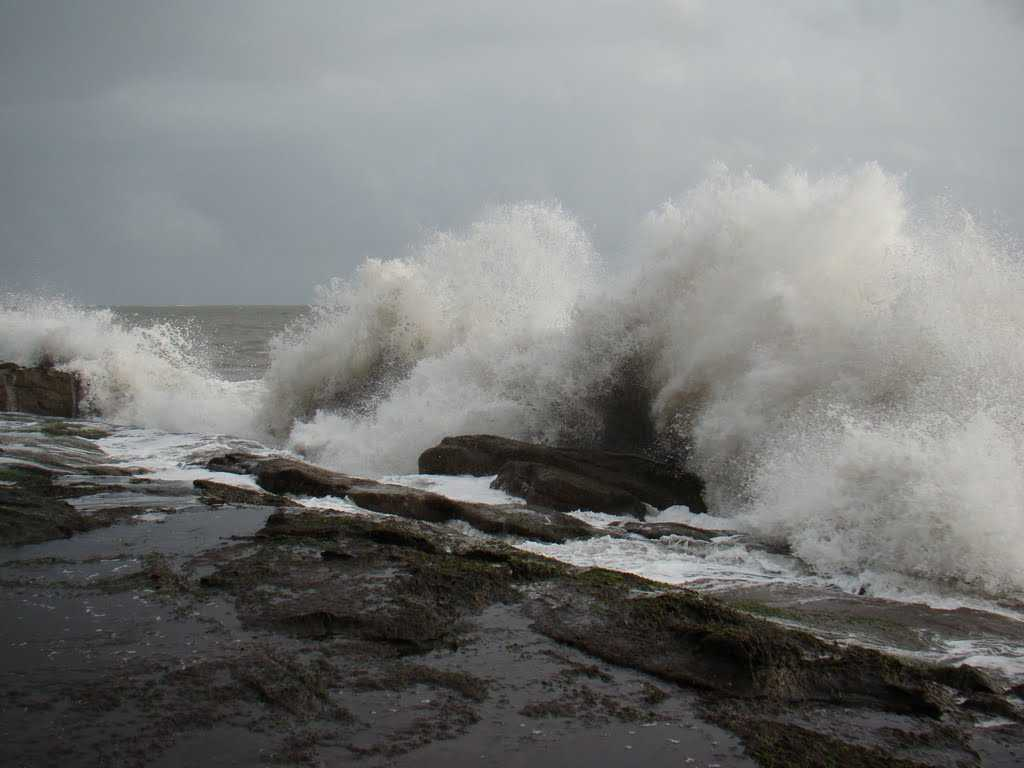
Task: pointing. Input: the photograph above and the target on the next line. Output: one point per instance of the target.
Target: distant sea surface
(233, 339)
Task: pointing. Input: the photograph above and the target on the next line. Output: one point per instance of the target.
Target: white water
(844, 369)
(151, 376)
(464, 336)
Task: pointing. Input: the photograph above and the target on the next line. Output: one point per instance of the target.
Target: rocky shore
(151, 622)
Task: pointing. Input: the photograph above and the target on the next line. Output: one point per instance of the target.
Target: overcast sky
(235, 152)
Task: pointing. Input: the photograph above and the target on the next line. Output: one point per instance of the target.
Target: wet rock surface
(246, 630)
(213, 493)
(567, 478)
(49, 478)
(661, 530)
(298, 478)
(41, 390)
(558, 489)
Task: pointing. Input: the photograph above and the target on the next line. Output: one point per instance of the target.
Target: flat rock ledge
(566, 479)
(417, 588)
(286, 476)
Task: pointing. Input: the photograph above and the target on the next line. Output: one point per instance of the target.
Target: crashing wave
(844, 371)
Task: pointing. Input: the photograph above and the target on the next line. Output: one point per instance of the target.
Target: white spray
(151, 376)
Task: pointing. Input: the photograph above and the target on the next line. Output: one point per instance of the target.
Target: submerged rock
(41, 390)
(567, 478)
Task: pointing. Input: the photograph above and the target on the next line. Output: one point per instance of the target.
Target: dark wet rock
(776, 744)
(537, 524)
(880, 623)
(290, 476)
(429, 581)
(290, 685)
(235, 463)
(58, 428)
(32, 511)
(401, 676)
(967, 679)
(42, 390)
(661, 530)
(684, 638)
(565, 491)
(329, 555)
(406, 502)
(282, 475)
(660, 485)
(994, 705)
(216, 494)
(408, 585)
(39, 479)
(157, 574)
(582, 701)
(306, 525)
(62, 448)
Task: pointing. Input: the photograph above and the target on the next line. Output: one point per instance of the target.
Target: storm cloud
(218, 152)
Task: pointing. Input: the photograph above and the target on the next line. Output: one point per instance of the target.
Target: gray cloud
(244, 151)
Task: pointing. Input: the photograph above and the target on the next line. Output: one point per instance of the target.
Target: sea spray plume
(464, 335)
(149, 376)
(360, 337)
(849, 376)
(770, 294)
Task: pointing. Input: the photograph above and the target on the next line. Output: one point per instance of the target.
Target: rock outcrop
(559, 489)
(217, 494)
(286, 476)
(661, 530)
(42, 390)
(567, 478)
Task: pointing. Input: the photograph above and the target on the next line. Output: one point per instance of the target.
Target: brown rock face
(41, 390)
(567, 477)
(564, 491)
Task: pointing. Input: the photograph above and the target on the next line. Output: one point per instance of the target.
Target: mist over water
(842, 367)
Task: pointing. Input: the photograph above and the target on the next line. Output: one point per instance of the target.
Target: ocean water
(233, 340)
(844, 366)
